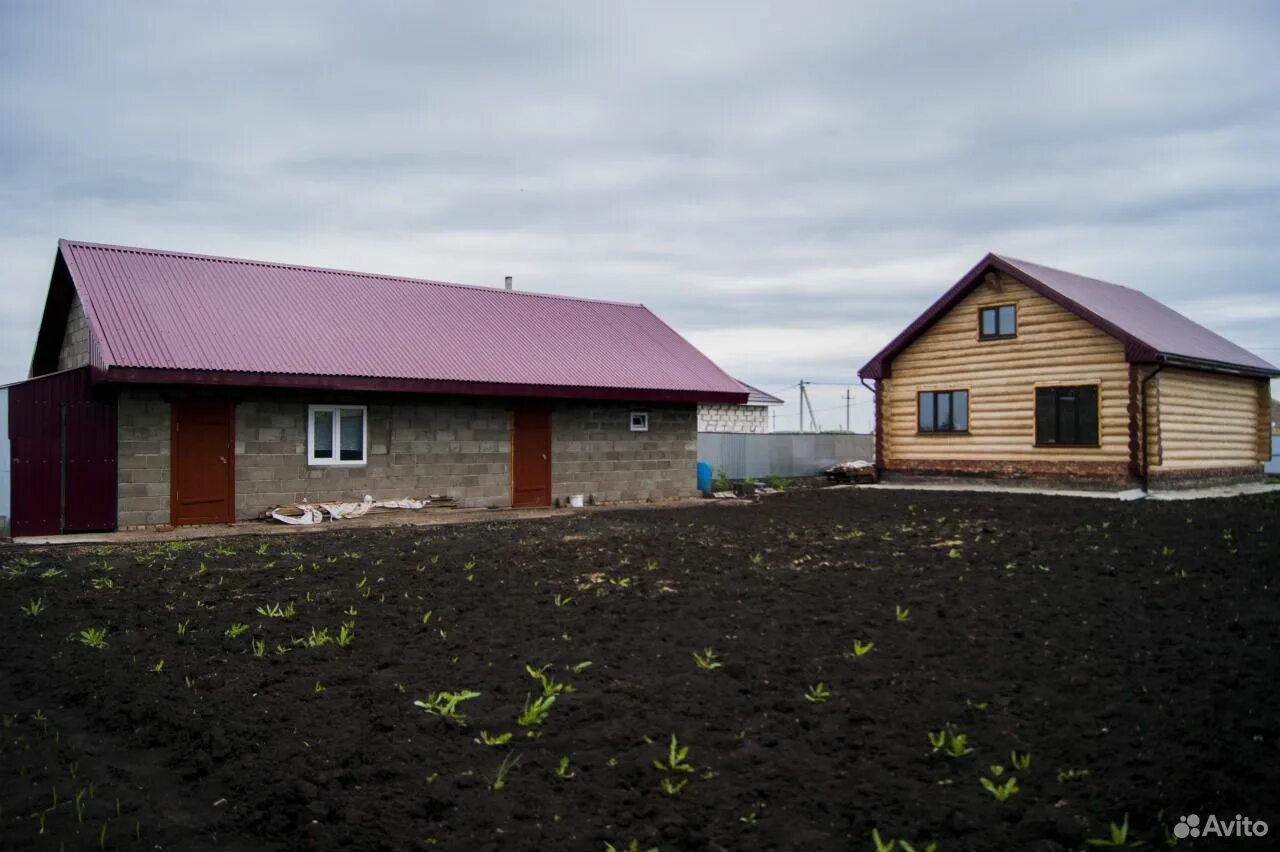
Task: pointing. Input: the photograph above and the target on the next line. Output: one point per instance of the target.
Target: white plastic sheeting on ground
(314, 513)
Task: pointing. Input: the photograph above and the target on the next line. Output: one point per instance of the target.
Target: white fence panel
(744, 456)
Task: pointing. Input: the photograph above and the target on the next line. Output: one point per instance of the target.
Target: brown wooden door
(202, 489)
(531, 458)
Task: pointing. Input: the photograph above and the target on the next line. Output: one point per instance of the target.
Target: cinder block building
(751, 417)
(172, 388)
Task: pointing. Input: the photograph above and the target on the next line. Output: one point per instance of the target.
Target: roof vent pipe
(508, 282)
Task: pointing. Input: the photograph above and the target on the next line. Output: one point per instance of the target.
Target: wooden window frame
(968, 411)
(336, 411)
(997, 336)
(1035, 415)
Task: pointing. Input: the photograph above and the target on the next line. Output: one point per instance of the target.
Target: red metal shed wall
(62, 444)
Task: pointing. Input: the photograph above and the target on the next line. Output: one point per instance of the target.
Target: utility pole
(802, 401)
(775, 421)
(848, 399)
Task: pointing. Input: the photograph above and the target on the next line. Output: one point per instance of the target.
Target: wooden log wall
(1053, 347)
(1205, 420)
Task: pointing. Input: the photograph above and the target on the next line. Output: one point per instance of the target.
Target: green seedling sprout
(488, 739)
(499, 780)
(547, 682)
(881, 844)
(562, 769)
(1020, 762)
(672, 788)
(32, 609)
(94, 637)
(1001, 792)
(707, 660)
(817, 693)
(1119, 836)
(535, 711)
(676, 755)
(901, 613)
(235, 630)
(347, 634)
(445, 704)
(860, 649)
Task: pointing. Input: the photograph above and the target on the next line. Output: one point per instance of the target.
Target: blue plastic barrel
(704, 478)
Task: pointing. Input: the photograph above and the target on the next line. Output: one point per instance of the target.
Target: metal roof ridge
(1016, 261)
(331, 271)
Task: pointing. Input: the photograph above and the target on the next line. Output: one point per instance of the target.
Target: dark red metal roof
(1150, 331)
(164, 316)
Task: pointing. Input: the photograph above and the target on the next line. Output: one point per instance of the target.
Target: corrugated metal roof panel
(1150, 330)
(1157, 325)
(759, 397)
(163, 310)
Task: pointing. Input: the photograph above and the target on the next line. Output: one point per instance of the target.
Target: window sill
(1067, 446)
(985, 337)
(942, 433)
(323, 464)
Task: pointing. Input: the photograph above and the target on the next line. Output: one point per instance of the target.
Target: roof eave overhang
(1211, 366)
(239, 379)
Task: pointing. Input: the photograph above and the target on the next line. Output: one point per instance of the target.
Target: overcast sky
(787, 184)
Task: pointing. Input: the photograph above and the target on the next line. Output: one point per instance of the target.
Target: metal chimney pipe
(508, 282)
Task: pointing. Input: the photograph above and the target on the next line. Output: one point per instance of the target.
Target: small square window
(639, 421)
(998, 322)
(337, 435)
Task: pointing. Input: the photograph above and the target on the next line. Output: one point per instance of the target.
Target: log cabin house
(1026, 372)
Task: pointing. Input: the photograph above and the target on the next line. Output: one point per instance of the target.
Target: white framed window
(337, 435)
(639, 421)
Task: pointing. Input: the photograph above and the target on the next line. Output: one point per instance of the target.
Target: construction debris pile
(314, 513)
(851, 471)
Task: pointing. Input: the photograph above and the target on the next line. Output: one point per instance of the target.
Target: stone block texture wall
(75, 340)
(595, 453)
(750, 419)
(142, 453)
(447, 445)
(461, 448)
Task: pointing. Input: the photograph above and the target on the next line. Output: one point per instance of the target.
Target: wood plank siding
(1053, 347)
(1205, 420)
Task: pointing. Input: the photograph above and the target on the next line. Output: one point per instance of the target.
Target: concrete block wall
(742, 419)
(460, 447)
(449, 445)
(594, 452)
(142, 453)
(75, 339)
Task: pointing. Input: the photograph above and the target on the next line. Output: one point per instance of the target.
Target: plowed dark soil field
(316, 691)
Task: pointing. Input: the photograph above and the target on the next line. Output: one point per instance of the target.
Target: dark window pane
(1008, 320)
(944, 412)
(1067, 410)
(960, 410)
(988, 322)
(1046, 416)
(322, 435)
(926, 412)
(1088, 415)
(351, 439)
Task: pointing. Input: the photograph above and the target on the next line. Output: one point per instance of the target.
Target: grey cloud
(826, 168)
